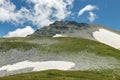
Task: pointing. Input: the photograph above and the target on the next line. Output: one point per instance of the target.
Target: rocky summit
(69, 28)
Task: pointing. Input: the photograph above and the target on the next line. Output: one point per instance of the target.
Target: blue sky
(15, 15)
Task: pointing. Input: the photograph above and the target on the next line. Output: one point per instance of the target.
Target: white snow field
(59, 35)
(39, 66)
(108, 37)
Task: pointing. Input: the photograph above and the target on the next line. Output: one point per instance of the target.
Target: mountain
(69, 28)
(62, 51)
(81, 30)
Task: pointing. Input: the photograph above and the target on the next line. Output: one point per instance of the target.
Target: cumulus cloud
(20, 32)
(89, 9)
(48, 11)
(42, 13)
(8, 12)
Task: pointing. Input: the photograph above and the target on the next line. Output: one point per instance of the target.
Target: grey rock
(71, 29)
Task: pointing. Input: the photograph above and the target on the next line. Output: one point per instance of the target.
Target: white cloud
(89, 9)
(92, 16)
(8, 12)
(86, 8)
(48, 11)
(20, 32)
(42, 13)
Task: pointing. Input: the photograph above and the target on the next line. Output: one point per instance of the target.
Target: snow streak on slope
(39, 66)
(59, 35)
(107, 37)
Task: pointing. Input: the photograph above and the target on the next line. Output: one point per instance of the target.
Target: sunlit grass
(67, 46)
(65, 75)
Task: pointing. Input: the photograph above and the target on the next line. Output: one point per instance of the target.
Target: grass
(65, 75)
(68, 46)
(23, 46)
(74, 45)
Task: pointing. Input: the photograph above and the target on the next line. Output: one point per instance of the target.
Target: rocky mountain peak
(61, 27)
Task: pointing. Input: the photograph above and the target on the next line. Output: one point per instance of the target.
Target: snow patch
(59, 35)
(39, 66)
(107, 37)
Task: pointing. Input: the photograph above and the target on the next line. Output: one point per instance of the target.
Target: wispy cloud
(92, 16)
(41, 14)
(86, 8)
(20, 32)
(89, 9)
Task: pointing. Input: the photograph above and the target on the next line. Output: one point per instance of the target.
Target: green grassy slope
(71, 45)
(68, 46)
(65, 75)
(77, 45)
